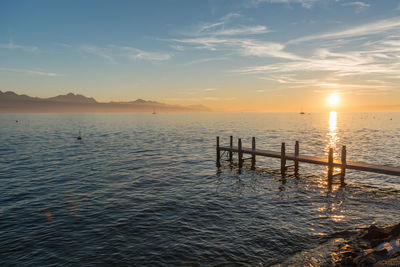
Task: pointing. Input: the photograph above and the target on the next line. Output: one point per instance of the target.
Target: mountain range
(11, 102)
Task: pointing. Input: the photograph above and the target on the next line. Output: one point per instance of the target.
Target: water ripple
(143, 190)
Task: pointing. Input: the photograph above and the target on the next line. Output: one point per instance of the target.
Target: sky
(242, 56)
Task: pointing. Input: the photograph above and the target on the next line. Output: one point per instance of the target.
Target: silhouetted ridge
(72, 98)
(76, 103)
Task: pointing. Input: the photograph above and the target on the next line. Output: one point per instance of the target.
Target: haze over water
(143, 189)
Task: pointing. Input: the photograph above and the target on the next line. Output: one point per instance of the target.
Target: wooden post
(231, 146)
(296, 161)
(283, 157)
(218, 153)
(253, 155)
(330, 166)
(343, 171)
(240, 153)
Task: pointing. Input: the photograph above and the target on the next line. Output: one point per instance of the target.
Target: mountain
(72, 98)
(11, 102)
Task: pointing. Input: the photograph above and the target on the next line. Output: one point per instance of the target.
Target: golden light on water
(332, 134)
(332, 121)
(333, 100)
(333, 137)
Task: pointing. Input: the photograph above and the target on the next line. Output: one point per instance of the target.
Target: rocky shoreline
(368, 246)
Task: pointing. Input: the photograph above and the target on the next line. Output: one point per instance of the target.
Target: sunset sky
(244, 55)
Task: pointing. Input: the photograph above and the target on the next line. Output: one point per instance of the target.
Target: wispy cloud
(218, 36)
(177, 47)
(228, 25)
(265, 49)
(204, 60)
(210, 89)
(99, 51)
(243, 46)
(10, 45)
(303, 3)
(138, 54)
(368, 62)
(362, 30)
(209, 43)
(359, 6)
(239, 30)
(112, 53)
(31, 72)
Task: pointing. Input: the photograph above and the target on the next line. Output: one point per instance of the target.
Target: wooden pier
(296, 157)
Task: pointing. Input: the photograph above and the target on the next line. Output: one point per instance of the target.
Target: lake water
(143, 189)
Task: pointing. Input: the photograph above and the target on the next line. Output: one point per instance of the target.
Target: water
(143, 189)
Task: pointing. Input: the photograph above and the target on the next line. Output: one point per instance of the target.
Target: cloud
(303, 3)
(13, 46)
(210, 89)
(112, 53)
(359, 6)
(177, 47)
(243, 46)
(204, 60)
(242, 30)
(370, 62)
(202, 42)
(226, 26)
(217, 36)
(135, 54)
(344, 65)
(362, 30)
(31, 72)
(265, 49)
(98, 51)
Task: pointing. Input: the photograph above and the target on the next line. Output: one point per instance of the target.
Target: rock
(388, 263)
(374, 232)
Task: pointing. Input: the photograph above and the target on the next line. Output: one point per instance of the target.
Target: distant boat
(301, 111)
(154, 111)
(79, 136)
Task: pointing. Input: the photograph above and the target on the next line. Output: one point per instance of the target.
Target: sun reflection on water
(332, 141)
(333, 137)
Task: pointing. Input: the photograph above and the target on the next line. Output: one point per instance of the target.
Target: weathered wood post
(296, 161)
(330, 166)
(240, 153)
(283, 157)
(253, 155)
(343, 171)
(218, 153)
(231, 146)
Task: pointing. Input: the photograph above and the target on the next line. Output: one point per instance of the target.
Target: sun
(333, 100)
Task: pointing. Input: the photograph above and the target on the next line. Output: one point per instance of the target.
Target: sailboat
(301, 111)
(154, 111)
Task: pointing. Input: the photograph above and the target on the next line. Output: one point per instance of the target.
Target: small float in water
(79, 137)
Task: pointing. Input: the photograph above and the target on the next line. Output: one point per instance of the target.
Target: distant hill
(11, 102)
(72, 98)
